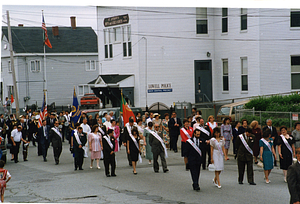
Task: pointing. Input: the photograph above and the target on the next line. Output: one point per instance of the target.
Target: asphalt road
(36, 181)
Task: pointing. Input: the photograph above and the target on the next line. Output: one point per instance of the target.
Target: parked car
(90, 100)
(228, 110)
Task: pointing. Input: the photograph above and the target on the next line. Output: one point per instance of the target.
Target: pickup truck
(90, 100)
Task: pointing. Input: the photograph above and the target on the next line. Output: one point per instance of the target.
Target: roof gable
(30, 40)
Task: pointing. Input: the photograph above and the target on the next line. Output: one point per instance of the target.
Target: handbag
(211, 167)
(8, 146)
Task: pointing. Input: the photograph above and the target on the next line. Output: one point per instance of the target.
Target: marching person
(79, 142)
(286, 150)
(51, 120)
(244, 144)
(87, 130)
(293, 180)
(174, 130)
(44, 139)
(16, 138)
(218, 151)
(133, 148)
(146, 134)
(108, 153)
(274, 135)
(235, 134)
(226, 132)
(95, 145)
(56, 140)
(158, 148)
(206, 136)
(186, 133)
(211, 123)
(266, 153)
(127, 129)
(24, 136)
(194, 155)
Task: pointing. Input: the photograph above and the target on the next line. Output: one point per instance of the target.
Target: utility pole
(13, 66)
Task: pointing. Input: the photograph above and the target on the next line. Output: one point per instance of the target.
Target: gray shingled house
(72, 62)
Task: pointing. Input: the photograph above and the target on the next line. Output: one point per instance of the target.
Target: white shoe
(91, 167)
(268, 182)
(285, 180)
(219, 187)
(214, 182)
(98, 167)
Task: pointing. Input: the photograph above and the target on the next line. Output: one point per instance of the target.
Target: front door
(203, 81)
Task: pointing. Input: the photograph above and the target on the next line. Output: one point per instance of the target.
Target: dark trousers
(241, 169)
(25, 151)
(128, 157)
(16, 151)
(205, 151)
(44, 149)
(275, 162)
(110, 160)
(40, 149)
(56, 153)
(162, 158)
(173, 142)
(195, 173)
(79, 158)
(234, 148)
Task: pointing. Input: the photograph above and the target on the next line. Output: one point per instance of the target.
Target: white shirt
(107, 124)
(85, 128)
(149, 120)
(16, 135)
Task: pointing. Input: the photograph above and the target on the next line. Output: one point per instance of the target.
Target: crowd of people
(202, 143)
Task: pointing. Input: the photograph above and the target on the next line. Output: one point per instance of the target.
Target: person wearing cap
(156, 120)
(16, 138)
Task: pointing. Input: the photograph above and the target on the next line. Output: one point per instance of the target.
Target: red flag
(43, 112)
(11, 98)
(126, 110)
(46, 39)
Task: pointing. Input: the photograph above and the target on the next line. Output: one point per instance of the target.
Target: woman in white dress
(211, 123)
(217, 154)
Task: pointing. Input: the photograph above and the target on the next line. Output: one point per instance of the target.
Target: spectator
(4, 178)
(226, 132)
(165, 131)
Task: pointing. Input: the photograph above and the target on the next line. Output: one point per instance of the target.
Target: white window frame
(37, 66)
(224, 17)
(10, 89)
(293, 10)
(244, 74)
(126, 41)
(9, 66)
(201, 16)
(295, 69)
(85, 89)
(117, 34)
(223, 73)
(88, 65)
(108, 33)
(244, 12)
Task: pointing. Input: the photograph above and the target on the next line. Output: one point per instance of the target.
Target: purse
(211, 167)
(8, 146)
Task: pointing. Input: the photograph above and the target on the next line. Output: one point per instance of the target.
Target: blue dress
(267, 155)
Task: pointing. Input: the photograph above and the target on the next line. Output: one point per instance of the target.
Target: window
(117, 34)
(127, 50)
(295, 72)
(244, 66)
(90, 65)
(295, 18)
(243, 19)
(35, 66)
(108, 38)
(225, 75)
(224, 20)
(10, 90)
(84, 89)
(9, 66)
(201, 21)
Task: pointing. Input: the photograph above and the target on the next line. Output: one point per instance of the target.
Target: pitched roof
(30, 40)
(111, 78)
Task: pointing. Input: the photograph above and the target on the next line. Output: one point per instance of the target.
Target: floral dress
(166, 136)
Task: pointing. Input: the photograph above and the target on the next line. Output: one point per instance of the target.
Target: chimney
(73, 22)
(20, 25)
(55, 30)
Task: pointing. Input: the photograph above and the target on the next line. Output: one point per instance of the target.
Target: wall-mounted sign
(158, 88)
(295, 116)
(116, 20)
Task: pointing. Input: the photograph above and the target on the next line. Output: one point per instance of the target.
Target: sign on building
(116, 20)
(160, 87)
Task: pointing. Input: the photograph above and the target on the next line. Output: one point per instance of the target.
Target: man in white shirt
(150, 119)
(86, 129)
(16, 138)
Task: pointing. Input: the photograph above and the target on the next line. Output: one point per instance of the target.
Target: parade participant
(90, 120)
(101, 127)
(218, 151)
(156, 120)
(286, 150)
(293, 180)
(256, 131)
(107, 123)
(150, 119)
(266, 153)
(146, 134)
(11, 122)
(66, 126)
(274, 135)
(205, 136)
(211, 124)
(33, 129)
(24, 136)
(16, 138)
(127, 129)
(197, 123)
(226, 132)
(158, 148)
(244, 126)
(51, 120)
(194, 155)
(244, 144)
(87, 130)
(174, 130)
(4, 178)
(186, 133)
(44, 139)
(111, 114)
(108, 153)
(166, 130)
(133, 148)
(62, 120)
(56, 140)
(95, 145)
(79, 142)
(143, 143)
(296, 134)
(72, 143)
(235, 134)
(116, 130)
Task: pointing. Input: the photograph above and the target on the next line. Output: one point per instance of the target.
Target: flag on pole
(76, 112)
(45, 36)
(126, 110)
(43, 112)
(11, 98)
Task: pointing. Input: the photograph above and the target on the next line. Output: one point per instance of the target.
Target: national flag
(43, 112)
(45, 36)
(76, 112)
(11, 98)
(126, 110)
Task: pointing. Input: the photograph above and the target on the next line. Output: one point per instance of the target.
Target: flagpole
(45, 69)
